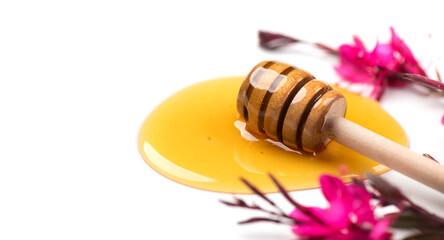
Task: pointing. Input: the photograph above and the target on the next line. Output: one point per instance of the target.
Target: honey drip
(196, 138)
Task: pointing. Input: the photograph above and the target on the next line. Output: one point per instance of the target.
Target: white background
(77, 78)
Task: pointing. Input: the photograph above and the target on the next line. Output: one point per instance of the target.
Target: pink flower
(381, 67)
(349, 216)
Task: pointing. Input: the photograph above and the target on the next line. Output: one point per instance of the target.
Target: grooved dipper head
(288, 105)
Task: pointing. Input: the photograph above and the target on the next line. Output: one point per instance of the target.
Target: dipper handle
(290, 106)
(386, 152)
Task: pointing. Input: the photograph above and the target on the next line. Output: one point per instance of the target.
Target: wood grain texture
(289, 105)
(386, 152)
(276, 99)
(330, 105)
(301, 103)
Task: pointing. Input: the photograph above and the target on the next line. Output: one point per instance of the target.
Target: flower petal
(379, 86)
(383, 56)
(362, 210)
(315, 216)
(300, 216)
(308, 225)
(353, 55)
(358, 43)
(399, 45)
(354, 74)
(354, 63)
(350, 215)
(339, 198)
(379, 231)
(312, 230)
(332, 188)
(410, 64)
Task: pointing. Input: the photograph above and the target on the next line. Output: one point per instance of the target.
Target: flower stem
(272, 41)
(425, 81)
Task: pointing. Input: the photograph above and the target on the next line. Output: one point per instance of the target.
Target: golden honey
(197, 138)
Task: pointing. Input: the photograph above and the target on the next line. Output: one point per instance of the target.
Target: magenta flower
(388, 64)
(381, 67)
(349, 216)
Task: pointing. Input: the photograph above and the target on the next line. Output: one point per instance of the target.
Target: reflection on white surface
(158, 160)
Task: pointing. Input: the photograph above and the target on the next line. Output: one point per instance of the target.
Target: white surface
(78, 78)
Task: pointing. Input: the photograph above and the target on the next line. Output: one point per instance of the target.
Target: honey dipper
(290, 106)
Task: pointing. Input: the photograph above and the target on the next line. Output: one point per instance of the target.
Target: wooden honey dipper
(290, 106)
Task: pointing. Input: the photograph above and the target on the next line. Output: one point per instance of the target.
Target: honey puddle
(195, 138)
